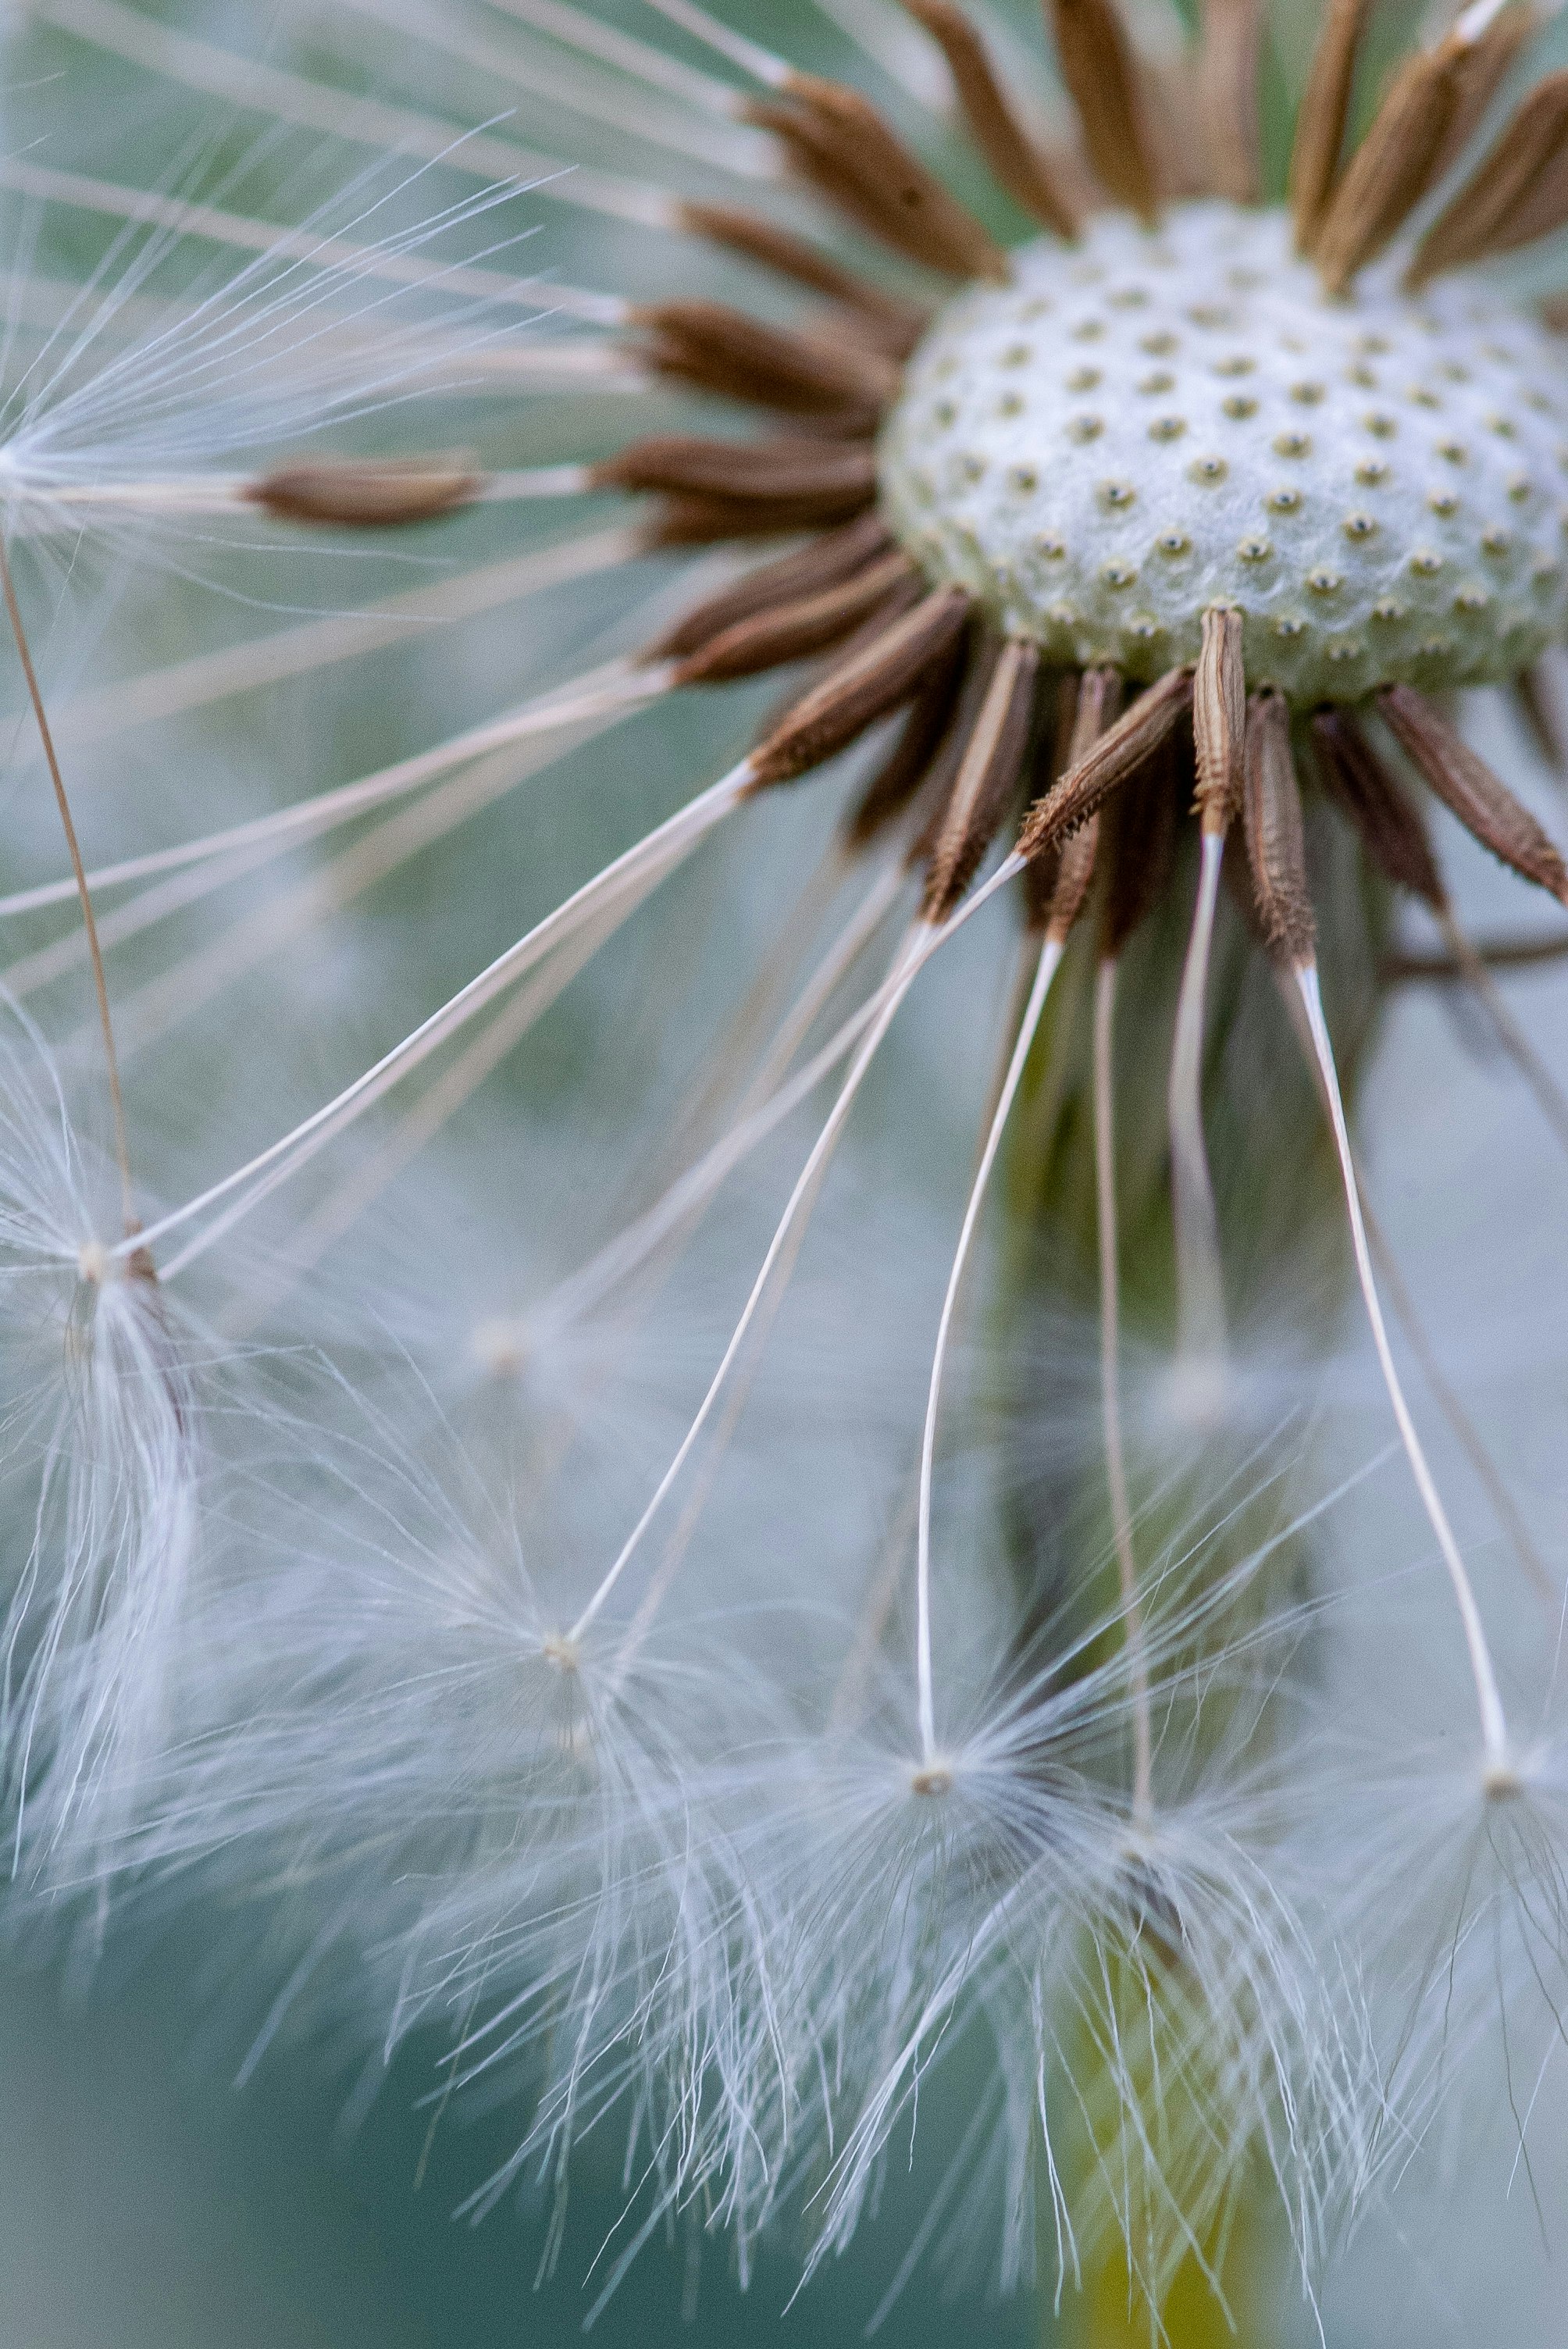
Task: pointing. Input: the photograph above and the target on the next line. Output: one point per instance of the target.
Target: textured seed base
(1148, 423)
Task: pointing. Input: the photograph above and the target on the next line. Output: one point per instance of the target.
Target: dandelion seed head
(1118, 488)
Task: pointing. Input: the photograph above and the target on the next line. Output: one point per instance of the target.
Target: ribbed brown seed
(899, 325)
(1139, 833)
(709, 522)
(1538, 705)
(722, 350)
(1053, 758)
(984, 651)
(789, 632)
(1324, 110)
(899, 779)
(1219, 719)
(778, 470)
(363, 496)
(1481, 76)
(1228, 63)
(1075, 878)
(836, 554)
(1495, 210)
(1391, 829)
(743, 489)
(1392, 168)
(1097, 700)
(1469, 789)
(864, 687)
(988, 778)
(1118, 755)
(839, 144)
(1007, 147)
(1100, 70)
(1276, 852)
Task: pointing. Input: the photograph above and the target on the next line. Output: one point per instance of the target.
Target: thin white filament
(583, 1289)
(577, 30)
(327, 1223)
(760, 63)
(577, 88)
(364, 122)
(1199, 1285)
(1110, 1387)
(213, 493)
(907, 972)
(311, 645)
(672, 839)
(834, 967)
(887, 37)
(242, 846)
(1493, 1721)
(1511, 1035)
(1045, 972)
(185, 216)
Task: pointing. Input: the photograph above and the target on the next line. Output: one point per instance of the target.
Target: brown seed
(791, 631)
(742, 469)
(988, 778)
(1078, 857)
(1391, 829)
(1139, 835)
(742, 489)
(363, 496)
(839, 144)
(905, 771)
(1228, 110)
(936, 793)
(1219, 719)
(1392, 168)
(897, 325)
(864, 687)
(1538, 704)
(1101, 74)
(722, 350)
(1276, 852)
(1468, 788)
(1012, 154)
(1118, 754)
(836, 554)
(1053, 757)
(1496, 209)
(1097, 700)
(1481, 75)
(1545, 209)
(1324, 110)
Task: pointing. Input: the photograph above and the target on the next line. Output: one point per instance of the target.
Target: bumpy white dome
(1148, 423)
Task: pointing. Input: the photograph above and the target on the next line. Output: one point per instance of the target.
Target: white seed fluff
(1152, 422)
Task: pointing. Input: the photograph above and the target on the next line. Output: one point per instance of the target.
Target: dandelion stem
(1200, 1288)
(1045, 972)
(1494, 1720)
(1109, 1385)
(101, 985)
